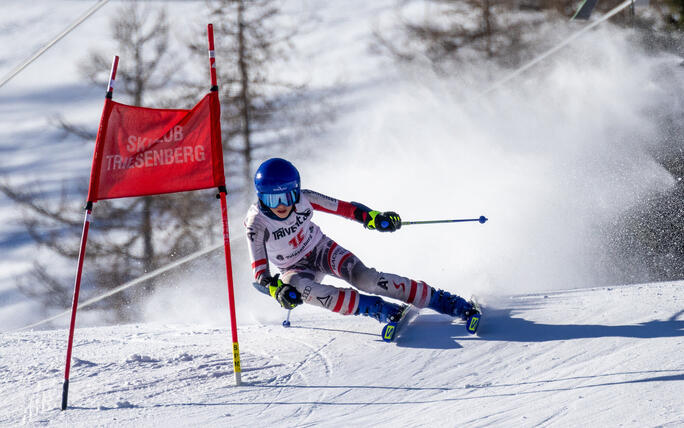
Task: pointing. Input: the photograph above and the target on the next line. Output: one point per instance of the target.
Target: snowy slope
(551, 160)
(591, 357)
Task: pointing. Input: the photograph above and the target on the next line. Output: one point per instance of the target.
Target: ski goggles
(272, 200)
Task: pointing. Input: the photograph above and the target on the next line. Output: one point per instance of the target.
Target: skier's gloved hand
(384, 222)
(288, 296)
(387, 221)
(285, 294)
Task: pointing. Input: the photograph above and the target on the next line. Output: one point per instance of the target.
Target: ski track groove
(491, 419)
(549, 420)
(287, 377)
(326, 361)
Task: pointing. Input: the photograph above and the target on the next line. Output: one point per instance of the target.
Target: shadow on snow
(498, 325)
(434, 331)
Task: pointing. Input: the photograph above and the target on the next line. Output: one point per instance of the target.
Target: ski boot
(451, 304)
(375, 307)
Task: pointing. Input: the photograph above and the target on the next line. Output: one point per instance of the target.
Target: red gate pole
(74, 305)
(81, 254)
(231, 294)
(226, 234)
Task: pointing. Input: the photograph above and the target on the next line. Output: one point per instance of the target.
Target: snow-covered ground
(551, 159)
(588, 357)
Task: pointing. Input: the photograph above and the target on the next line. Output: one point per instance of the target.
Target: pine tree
(451, 31)
(261, 115)
(129, 236)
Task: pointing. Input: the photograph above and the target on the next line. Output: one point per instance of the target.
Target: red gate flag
(144, 151)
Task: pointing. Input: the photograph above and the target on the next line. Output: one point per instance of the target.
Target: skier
(280, 230)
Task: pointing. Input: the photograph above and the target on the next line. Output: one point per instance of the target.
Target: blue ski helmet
(277, 182)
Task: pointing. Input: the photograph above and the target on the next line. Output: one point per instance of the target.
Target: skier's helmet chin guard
(277, 183)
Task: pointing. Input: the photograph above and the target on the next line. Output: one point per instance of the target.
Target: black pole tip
(65, 394)
(482, 219)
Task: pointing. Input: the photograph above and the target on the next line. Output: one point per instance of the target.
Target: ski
(473, 321)
(392, 329)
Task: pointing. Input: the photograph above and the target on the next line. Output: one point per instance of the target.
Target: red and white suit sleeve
(257, 234)
(330, 205)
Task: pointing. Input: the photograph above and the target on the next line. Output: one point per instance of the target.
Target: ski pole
(482, 219)
(286, 323)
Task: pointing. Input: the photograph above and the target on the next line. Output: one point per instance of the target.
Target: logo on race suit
(300, 218)
(307, 291)
(401, 284)
(322, 196)
(251, 234)
(382, 283)
(284, 231)
(297, 239)
(325, 301)
(280, 257)
(333, 259)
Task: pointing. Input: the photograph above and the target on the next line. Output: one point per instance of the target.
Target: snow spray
(555, 156)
